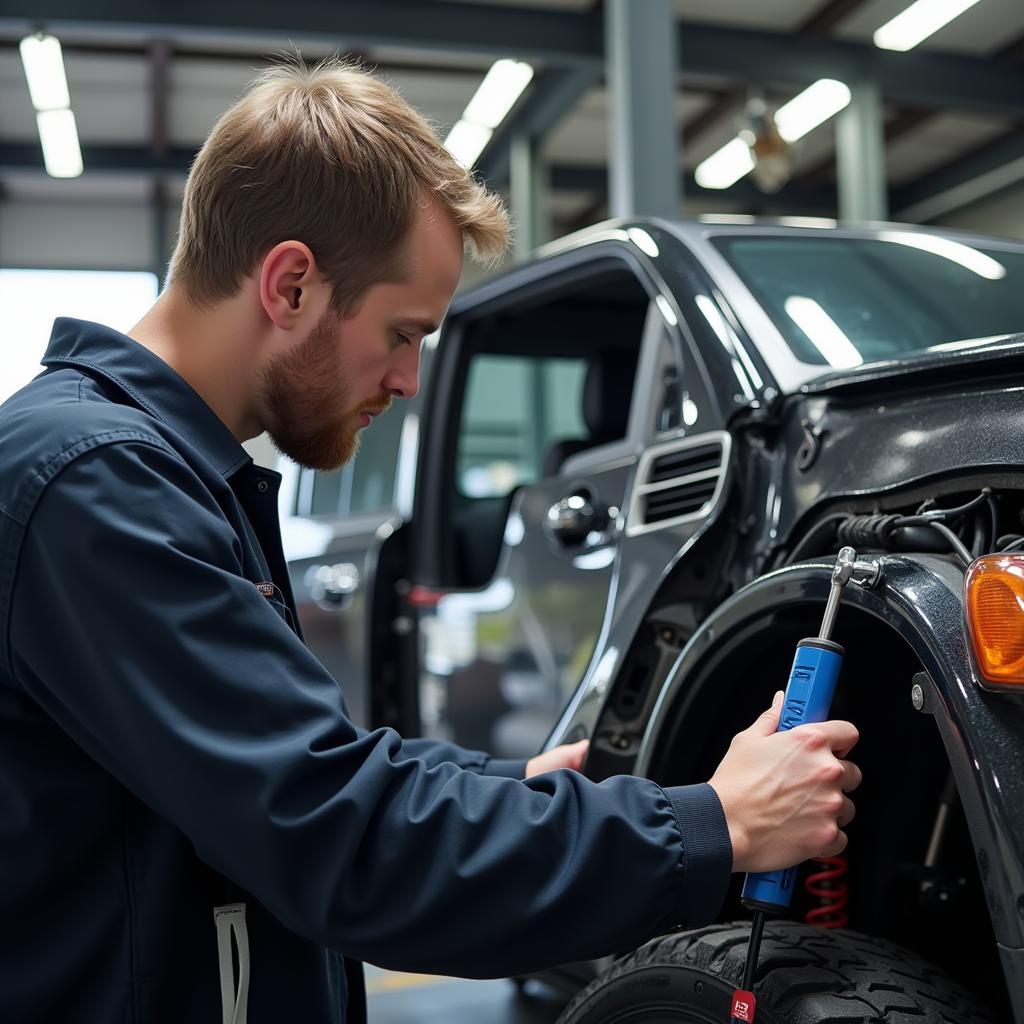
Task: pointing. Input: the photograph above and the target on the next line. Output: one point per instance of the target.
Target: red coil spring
(825, 886)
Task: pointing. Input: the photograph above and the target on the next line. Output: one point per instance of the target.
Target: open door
(532, 432)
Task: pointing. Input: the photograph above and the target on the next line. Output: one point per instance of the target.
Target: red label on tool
(743, 1004)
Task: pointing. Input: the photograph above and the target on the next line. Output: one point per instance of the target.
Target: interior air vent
(678, 482)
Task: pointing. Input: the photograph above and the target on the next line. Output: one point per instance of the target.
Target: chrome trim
(634, 524)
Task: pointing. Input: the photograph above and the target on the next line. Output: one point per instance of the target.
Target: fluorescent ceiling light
(466, 142)
(499, 90)
(59, 136)
(44, 68)
(726, 166)
(502, 86)
(965, 255)
(918, 22)
(823, 332)
(815, 105)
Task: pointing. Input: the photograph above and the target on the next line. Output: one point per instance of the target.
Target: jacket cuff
(506, 768)
(707, 855)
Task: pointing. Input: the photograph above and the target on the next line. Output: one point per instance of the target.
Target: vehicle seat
(607, 391)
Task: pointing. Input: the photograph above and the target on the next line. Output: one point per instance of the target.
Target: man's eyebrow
(423, 326)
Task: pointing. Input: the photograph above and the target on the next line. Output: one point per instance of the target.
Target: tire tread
(809, 975)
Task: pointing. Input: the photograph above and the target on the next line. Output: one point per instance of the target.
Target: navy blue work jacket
(188, 819)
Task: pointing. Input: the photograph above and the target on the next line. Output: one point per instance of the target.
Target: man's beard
(307, 399)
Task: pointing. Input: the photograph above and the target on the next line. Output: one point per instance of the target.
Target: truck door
(526, 451)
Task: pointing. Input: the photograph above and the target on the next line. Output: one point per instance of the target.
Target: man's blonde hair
(332, 157)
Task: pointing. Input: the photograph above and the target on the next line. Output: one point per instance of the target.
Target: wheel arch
(921, 601)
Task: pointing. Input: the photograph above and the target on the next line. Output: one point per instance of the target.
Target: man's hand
(569, 755)
(783, 793)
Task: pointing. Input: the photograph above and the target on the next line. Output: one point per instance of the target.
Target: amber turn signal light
(995, 616)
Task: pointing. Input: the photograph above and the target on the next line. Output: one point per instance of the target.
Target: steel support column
(644, 138)
(528, 195)
(161, 235)
(860, 155)
(159, 146)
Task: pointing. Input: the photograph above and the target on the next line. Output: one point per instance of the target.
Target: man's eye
(402, 339)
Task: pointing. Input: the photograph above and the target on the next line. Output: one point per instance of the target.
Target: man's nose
(403, 377)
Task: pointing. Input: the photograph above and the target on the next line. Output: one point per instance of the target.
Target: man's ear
(288, 283)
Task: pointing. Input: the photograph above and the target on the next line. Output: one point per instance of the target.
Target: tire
(805, 976)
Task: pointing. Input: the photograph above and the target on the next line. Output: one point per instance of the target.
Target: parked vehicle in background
(614, 509)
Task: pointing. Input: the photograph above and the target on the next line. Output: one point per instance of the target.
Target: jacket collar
(150, 383)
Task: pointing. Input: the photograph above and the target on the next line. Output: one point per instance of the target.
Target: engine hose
(824, 885)
(865, 532)
(895, 532)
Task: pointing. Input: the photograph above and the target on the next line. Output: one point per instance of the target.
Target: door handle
(333, 586)
(573, 518)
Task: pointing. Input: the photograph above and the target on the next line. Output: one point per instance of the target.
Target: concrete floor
(425, 999)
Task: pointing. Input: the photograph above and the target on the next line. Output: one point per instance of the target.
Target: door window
(540, 383)
(516, 407)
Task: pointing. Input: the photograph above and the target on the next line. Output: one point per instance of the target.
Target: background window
(367, 483)
(33, 299)
(326, 500)
(375, 466)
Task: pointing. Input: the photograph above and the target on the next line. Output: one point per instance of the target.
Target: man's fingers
(768, 721)
(840, 735)
(835, 848)
(851, 776)
(846, 814)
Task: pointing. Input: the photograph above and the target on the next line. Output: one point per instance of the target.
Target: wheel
(805, 976)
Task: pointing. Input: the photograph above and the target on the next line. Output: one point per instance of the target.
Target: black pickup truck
(615, 508)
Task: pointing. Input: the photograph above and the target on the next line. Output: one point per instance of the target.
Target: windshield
(840, 301)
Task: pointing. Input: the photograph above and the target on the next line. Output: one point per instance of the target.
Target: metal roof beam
(139, 160)
(564, 37)
(815, 200)
(827, 16)
(130, 160)
(982, 174)
(945, 80)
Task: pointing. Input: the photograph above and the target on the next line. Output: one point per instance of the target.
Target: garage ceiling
(146, 93)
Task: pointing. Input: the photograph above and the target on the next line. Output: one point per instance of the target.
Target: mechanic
(188, 818)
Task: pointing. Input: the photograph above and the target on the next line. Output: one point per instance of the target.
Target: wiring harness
(968, 530)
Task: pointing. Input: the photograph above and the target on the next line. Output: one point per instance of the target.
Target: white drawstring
(234, 1001)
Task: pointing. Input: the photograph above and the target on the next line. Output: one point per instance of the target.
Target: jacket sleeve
(133, 627)
(435, 752)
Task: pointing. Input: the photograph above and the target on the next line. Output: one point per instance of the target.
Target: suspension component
(826, 886)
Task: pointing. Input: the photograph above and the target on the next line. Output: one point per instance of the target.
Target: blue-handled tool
(812, 682)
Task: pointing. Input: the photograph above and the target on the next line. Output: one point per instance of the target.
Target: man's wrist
(737, 833)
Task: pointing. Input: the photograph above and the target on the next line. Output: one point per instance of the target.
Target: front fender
(921, 597)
